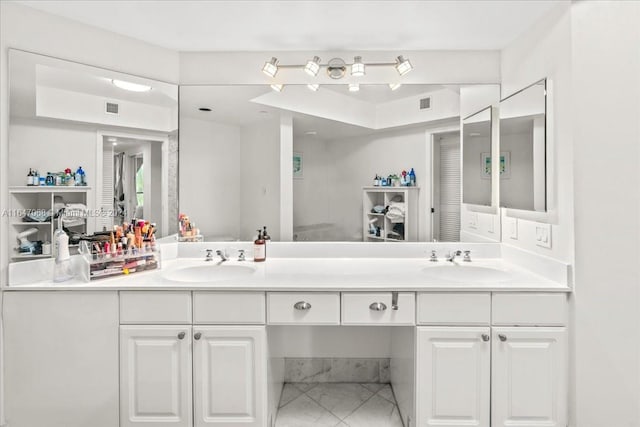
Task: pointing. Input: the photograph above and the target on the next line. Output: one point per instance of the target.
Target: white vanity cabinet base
(453, 376)
(229, 369)
(529, 369)
(155, 376)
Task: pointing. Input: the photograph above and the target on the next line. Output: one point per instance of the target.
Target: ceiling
(309, 25)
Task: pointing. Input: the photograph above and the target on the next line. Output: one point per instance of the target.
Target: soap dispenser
(62, 269)
(259, 248)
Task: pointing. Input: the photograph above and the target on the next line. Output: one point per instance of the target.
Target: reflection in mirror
(476, 157)
(523, 145)
(65, 115)
(250, 156)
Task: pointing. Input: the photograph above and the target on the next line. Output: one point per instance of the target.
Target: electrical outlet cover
(512, 227)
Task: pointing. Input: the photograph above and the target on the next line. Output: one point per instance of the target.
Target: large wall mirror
(523, 184)
(250, 156)
(477, 158)
(121, 129)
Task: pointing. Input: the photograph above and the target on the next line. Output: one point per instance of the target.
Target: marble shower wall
(336, 370)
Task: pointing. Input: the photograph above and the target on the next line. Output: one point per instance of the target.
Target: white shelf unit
(24, 199)
(383, 196)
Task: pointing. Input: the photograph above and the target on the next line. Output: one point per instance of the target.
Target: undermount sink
(454, 272)
(209, 272)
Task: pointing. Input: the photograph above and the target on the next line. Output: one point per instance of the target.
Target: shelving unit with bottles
(41, 198)
(383, 196)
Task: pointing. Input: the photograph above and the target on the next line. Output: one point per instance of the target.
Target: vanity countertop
(322, 274)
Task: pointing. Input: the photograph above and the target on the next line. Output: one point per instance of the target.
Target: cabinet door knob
(197, 336)
(502, 337)
(181, 335)
(302, 305)
(485, 337)
(378, 306)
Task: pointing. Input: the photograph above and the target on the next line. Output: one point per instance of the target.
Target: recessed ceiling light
(207, 109)
(474, 134)
(111, 139)
(277, 87)
(354, 87)
(311, 132)
(132, 87)
(395, 86)
(313, 87)
(114, 143)
(263, 112)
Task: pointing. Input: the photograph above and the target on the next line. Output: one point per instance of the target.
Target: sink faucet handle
(209, 255)
(434, 256)
(467, 256)
(241, 255)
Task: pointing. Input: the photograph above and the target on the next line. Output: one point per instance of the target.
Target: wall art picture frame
(505, 165)
(298, 166)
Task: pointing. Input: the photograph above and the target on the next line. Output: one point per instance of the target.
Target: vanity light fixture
(313, 66)
(394, 86)
(132, 87)
(270, 68)
(403, 65)
(314, 87)
(354, 87)
(357, 68)
(277, 87)
(336, 69)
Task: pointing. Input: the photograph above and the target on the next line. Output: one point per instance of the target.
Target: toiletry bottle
(30, 178)
(265, 236)
(412, 178)
(259, 248)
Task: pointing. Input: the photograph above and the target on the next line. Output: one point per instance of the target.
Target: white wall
(545, 51)
(355, 161)
(258, 169)
(606, 63)
(311, 193)
(209, 158)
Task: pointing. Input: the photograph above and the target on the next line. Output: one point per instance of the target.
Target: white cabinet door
(529, 377)
(155, 376)
(453, 374)
(229, 376)
(60, 358)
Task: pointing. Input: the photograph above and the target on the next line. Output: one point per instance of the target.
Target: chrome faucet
(452, 255)
(209, 256)
(433, 257)
(223, 255)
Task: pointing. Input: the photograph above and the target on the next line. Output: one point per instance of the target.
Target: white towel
(396, 211)
(74, 214)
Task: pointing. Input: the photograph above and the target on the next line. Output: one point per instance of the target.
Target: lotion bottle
(259, 248)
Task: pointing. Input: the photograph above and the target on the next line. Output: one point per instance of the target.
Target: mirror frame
(549, 215)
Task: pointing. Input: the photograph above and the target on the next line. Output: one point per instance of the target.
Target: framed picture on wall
(297, 166)
(505, 165)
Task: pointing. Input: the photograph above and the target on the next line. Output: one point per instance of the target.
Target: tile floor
(338, 405)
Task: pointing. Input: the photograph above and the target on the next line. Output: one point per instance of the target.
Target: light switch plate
(473, 220)
(491, 224)
(543, 235)
(511, 227)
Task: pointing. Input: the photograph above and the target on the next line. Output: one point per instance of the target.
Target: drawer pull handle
(197, 336)
(302, 305)
(181, 335)
(378, 306)
(485, 337)
(502, 337)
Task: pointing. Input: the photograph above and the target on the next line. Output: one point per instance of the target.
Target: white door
(446, 187)
(155, 376)
(229, 376)
(453, 376)
(529, 377)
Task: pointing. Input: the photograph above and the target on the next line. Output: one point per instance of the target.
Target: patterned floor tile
(341, 399)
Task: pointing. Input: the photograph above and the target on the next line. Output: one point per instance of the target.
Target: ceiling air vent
(111, 108)
(425, 103)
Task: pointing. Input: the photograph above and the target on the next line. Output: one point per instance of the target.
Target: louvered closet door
(105, 221)
(449, 190)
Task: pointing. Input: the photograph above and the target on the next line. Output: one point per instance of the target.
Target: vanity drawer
(229, 308)
(442, 308)
(529, 309)
(308, 308)
(165, 307)
(371, 308)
